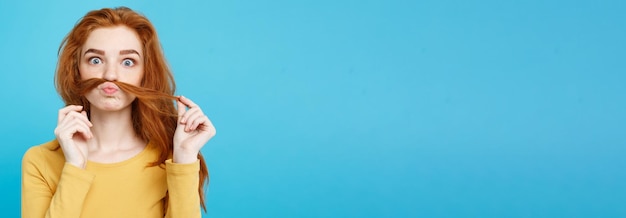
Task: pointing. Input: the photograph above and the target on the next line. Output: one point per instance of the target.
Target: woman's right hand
(72, 132)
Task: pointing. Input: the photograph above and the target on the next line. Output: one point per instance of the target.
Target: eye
(95, 61)
(128, 62)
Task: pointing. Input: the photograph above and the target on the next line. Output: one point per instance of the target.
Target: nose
(110, 73)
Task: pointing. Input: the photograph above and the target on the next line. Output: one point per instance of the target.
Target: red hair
(153, 112)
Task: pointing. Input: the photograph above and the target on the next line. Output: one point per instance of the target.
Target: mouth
(109, 88)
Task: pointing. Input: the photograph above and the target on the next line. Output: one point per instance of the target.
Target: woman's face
(113, 54)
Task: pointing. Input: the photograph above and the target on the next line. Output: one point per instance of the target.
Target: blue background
(370, 108)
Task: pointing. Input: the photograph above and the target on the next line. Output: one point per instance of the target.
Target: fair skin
(116, 54)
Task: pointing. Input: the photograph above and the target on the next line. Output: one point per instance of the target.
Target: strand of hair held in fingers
(144, 95)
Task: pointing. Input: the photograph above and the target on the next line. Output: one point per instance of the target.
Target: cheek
(85, 72)
(91, 96)
(136, 77)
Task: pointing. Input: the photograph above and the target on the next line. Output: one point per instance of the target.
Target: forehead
(113, 39)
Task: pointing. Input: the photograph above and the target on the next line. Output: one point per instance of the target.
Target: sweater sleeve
(39, 199)
(183, 181)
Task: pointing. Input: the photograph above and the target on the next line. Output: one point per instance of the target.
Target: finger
(73, 127)
(83, 131)
(188, 117)
(181, 110)
(72, 115)
(83, 128)
(207, 125)
(190, 112)
(187, 102)
(85, 118)
(200, 122)
(192, 119)
(63, 111)
(69, 117)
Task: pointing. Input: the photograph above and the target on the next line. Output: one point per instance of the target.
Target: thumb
(181, 109)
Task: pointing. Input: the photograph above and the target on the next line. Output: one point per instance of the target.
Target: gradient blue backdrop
(370, 108)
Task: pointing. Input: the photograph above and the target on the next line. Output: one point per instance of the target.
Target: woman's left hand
(193, 130)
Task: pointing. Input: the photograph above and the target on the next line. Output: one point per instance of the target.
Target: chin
(111, 108)
(111, 105)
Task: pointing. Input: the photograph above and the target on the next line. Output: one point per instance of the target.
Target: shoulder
(48, 152)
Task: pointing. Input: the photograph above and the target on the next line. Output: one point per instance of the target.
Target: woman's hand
(193, 130)
(72, 132)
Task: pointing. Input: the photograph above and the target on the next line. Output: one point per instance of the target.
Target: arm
(40, 200)
(182, 184)
(193, 131)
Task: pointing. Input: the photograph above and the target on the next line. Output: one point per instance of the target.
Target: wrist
(184, 157)
(80, 165)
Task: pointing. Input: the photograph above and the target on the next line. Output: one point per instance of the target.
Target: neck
(113, 130)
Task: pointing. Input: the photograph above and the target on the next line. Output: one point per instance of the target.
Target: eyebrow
(100, 52)
(129, 51)
(122, 52)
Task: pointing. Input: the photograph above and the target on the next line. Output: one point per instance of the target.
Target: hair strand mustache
(150, 98)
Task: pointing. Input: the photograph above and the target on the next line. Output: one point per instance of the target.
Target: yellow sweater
(53, 188)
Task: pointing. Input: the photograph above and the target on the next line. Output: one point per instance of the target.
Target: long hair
(154, 118)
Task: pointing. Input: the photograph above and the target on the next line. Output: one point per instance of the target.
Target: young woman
(125, 146)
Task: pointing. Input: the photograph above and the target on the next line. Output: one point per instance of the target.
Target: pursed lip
(109, 88)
